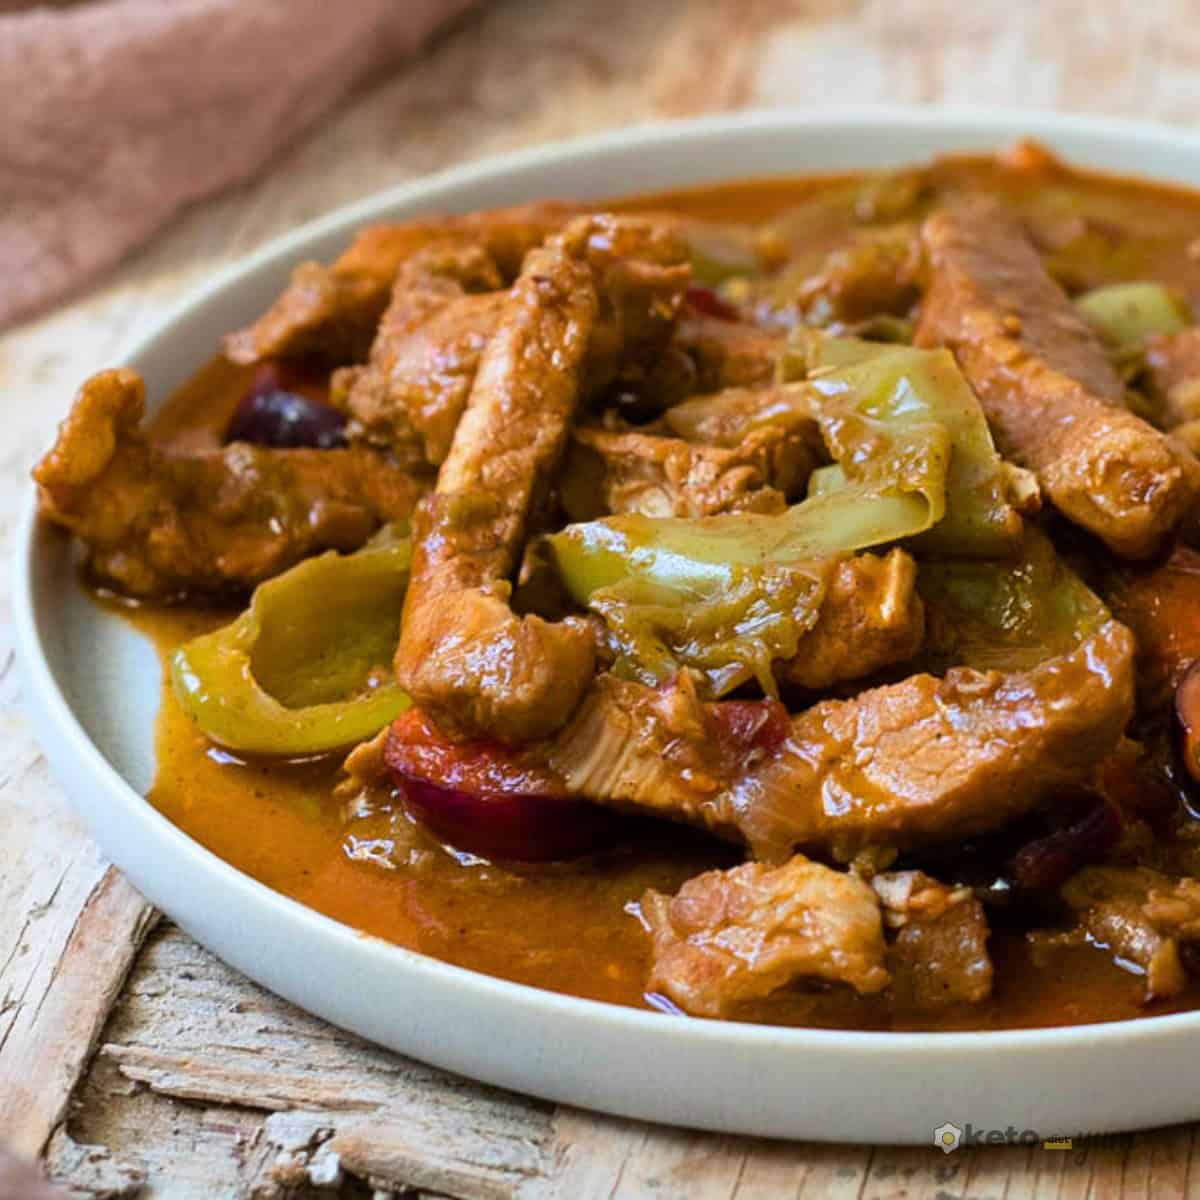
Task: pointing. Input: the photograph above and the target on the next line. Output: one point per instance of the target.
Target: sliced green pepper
(1006, 616)
(924, 429)
(1126, 314)
(727, 596)
(307, 667)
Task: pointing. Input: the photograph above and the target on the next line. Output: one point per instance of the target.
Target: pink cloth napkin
(20, 1180)
(116, 113)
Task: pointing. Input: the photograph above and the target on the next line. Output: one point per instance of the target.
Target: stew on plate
(774, 602)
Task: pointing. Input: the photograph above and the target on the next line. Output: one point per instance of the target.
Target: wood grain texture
(206, 1085)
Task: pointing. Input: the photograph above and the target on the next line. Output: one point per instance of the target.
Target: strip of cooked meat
(621, 472)
(871, 618)
(464, 656)
(446, 305)
(730, 936)
(331, 311)
(1173, 378)
(410, 394)
(938, 955)
(914, 762)
(156, 523)
(642, 272)
(1052, 398)
(1142, 916)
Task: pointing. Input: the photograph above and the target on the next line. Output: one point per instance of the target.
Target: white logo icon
(947, 1137)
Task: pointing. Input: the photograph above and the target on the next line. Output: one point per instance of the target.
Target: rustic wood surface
(152, 1068)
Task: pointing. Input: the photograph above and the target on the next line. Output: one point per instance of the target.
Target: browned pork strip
(156, 524)
(621, 472)
(871, 618)
(1053, 400)
(726, 418)
(446, 305)
(331, 311)
(914, 762)
(410, 394)
(874, 271)
(1142, 916)
(741, 934)
(464, 656)
(938, 954)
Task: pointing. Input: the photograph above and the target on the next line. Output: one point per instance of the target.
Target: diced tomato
(748, 730)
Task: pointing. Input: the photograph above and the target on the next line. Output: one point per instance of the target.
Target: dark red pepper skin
(491, 800)
(707, 303)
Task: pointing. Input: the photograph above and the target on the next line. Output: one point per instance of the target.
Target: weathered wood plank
(59, 1015)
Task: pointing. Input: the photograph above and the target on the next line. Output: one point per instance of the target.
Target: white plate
(92, 685)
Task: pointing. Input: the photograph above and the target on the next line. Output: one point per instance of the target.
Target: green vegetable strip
(307, 667)
(1006, 616)
(1126, 314)
(928, 432)
(729, 596)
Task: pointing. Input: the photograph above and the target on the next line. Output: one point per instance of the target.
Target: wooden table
(129, 1056)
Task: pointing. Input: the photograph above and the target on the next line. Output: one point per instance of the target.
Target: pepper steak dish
(772, 602)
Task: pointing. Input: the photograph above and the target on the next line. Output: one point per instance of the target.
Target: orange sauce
(572, 927)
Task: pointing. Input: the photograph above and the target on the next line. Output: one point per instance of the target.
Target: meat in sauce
(736, 643)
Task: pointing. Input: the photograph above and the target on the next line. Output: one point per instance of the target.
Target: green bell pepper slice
(1126, 314)
(307, 668)
(727, 596)
(1006, 616)
(925, 431)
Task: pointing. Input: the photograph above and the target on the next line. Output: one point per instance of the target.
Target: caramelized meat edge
(1053, 400)
(331, 312)
(157, 524)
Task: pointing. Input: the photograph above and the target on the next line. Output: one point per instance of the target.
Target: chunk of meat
(727, 353)
(464, 656)
(874, 271)
(871, 618)
(621, 472)
(1053, 400)
(916, 762)
(642, 272)
(741, 934)
(158, 523)
(928, 759)
(1143, 917)
(1162, 607)
(938, 956)
(726, 418)
(1173, 376)
(331, 311)
(409, 396)
(422, 393)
